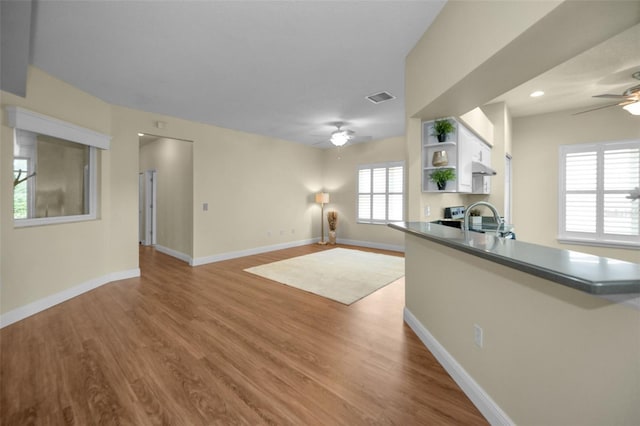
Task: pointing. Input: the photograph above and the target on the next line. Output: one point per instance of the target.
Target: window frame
(599, 237)
(386, 166)
(21, 119)
(31, 197)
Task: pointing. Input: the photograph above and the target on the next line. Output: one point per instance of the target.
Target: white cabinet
(482, 183)
(461, 148)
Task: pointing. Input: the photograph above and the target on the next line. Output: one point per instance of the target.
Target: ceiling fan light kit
(633, 108)
(340, 137)
(629, 99)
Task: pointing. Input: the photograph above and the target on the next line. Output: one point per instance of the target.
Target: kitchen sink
(488, 225)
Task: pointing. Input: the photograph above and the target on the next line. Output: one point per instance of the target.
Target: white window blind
(381, 193)
(595, 181)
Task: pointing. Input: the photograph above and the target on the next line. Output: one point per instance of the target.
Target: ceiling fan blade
(595, 109)
(359, 139)
(609, 96)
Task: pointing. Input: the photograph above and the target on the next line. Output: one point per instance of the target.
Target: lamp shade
(322, 197)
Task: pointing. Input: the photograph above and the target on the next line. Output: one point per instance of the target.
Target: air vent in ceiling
(380, 97)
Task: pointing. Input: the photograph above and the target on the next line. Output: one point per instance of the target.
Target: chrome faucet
(496, 215)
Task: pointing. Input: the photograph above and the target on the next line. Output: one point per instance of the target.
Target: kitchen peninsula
(523, 328)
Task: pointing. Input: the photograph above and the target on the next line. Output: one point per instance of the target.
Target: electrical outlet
(268, 233)
(427, 211)
(205, 207)
(293, 231)
(282, 232)
(477, 335)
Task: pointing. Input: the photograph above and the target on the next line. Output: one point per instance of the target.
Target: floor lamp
(322, 198)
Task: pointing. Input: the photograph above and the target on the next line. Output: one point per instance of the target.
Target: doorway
(147, 218)
(165, 167)
(508, 176)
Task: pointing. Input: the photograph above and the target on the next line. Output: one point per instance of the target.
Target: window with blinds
(381, 193)
(596, 183)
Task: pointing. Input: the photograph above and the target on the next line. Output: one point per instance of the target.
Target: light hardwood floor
(216, 345)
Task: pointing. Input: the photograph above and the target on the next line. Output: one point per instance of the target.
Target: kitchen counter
(581, 271)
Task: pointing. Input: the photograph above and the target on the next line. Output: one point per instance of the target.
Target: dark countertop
(581, 271)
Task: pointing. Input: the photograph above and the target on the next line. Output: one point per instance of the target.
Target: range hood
(481, 169)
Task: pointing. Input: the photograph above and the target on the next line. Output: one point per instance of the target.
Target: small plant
(474, 212)
(442, 128)
(442, 176)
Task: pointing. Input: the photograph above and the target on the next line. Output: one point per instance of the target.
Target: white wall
(536, 142)
(341, 181)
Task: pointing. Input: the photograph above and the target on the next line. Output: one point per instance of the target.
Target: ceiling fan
(341, 136)
(629, 99)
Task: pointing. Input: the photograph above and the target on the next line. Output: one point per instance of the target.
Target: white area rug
(339, 274)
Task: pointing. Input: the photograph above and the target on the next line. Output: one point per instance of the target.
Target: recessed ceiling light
(537, 94)
(140, 134)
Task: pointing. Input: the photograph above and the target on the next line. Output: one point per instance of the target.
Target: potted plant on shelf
(442, 176)
(442, 129)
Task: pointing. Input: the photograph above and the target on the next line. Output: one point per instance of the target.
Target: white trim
(53, 220)
(600, 243)
(248, 252)
(174, 253)
(487, 406)
(385, 165)
(150, 206)
(598, 237)
(265, 249)
(20, 118)
(368, 244)
(47, 302)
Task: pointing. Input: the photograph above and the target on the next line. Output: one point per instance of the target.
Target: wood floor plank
(216, 345)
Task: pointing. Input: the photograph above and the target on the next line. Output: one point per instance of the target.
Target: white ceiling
(604, 69)
(286, 69)
(283, 69)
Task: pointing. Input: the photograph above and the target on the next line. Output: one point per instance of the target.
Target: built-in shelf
(443, 144)
(440, 167)
(461, 149)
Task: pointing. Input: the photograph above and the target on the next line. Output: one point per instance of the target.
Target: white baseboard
(368, 244)
(33, 308)
(248, 252)
(487, 406)
(174, 253)
(264, 249)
